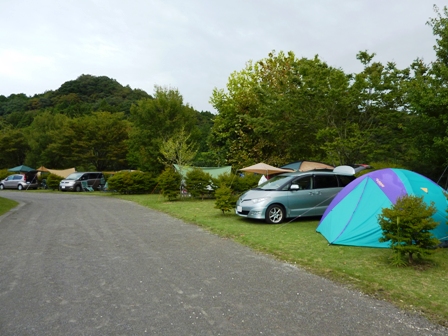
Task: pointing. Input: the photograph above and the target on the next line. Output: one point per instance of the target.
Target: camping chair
(102, 186)
(85, 186)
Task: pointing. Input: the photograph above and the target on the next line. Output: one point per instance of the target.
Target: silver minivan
(292, 195)
(73, 182)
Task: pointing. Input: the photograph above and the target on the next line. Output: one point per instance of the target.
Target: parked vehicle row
(78, 181)
(295, 194)
(286, 195)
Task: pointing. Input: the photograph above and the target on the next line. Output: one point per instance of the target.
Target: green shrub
(135, 182)
(224, 199)
(247, 181)
(4, 173)
(169, 183)
(107, 176)
(199, 183)
(53, 181)
(238, 183)
(407, 225)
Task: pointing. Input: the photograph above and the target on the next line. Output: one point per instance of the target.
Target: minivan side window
(303, 182)
(325, 181)
(17, 177)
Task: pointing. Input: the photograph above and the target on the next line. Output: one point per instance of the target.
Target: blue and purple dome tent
(352, 216)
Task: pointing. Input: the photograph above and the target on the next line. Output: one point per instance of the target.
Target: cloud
(195, 45)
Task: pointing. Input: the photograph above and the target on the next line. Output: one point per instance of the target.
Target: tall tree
(428, 101)
(155, 121)
(42, 132)
(363, 123)
(273, 109)
(13, 146)
(178, 149)
(97, 141)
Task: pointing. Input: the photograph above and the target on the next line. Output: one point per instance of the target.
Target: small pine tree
(198, 183)
(224, 199)
(169, 183)
(407, 226)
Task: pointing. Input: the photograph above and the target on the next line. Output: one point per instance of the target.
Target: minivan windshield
(273, 183)
(74, 176)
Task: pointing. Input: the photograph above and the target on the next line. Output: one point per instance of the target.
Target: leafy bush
(136, 182)
(224, 199)
(237, 183)
(53, 181)
(246, 182)
(199, 183)
(169, 183)
(4, 173)
(407, 226)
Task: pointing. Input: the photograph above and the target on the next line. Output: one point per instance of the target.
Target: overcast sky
(194, 45)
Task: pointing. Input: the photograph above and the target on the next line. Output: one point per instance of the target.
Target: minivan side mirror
(294, 187)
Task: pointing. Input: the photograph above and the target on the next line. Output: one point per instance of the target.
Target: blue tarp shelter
(352, 216)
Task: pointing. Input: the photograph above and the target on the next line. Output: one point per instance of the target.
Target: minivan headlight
(259, 200)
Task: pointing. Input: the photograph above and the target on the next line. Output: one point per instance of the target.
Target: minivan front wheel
(78, 188)
(275, 214)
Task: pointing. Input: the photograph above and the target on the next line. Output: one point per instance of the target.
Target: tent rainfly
(213, 171)
(265, 169)
(21, 169)
(352, 216)
(303, 166)
(60, 172)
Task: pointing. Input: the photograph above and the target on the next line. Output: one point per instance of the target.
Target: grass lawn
(422, 288)
(6, 205)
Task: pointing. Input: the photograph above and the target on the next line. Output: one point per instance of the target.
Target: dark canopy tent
(21, 169)
(30, 173)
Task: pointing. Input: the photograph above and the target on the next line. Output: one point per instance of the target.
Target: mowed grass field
(422, 288)
(6, 205)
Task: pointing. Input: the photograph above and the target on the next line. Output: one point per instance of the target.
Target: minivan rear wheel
(20, 187)
(275, 214)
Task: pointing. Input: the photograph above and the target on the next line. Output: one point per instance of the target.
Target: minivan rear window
(345, 179)
(325, 181)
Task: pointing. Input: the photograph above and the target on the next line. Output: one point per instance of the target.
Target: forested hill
(76, 97)
(95, 123)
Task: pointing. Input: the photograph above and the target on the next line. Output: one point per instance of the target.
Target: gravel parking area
(76, 264)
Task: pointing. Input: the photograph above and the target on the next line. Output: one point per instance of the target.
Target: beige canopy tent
(311, 165)
(63, 173)
(265, 169)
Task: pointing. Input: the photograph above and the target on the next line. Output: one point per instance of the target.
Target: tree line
(282, 109)
(276, 110)
(95, 123)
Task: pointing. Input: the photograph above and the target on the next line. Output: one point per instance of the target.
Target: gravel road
(76, 264)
